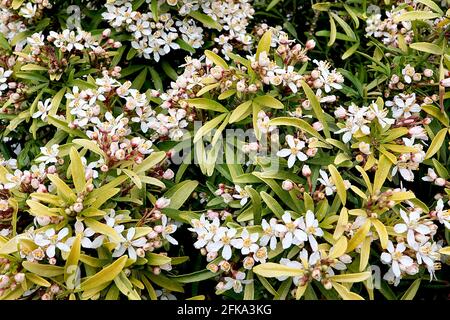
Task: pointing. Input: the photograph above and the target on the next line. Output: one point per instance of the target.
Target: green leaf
(241, 111)
(427, 47)
(104, 276)
(436, 144)
(208, 127)
(194, 276)
(412, 290)
(152, 160)
(264, 43)
(126, 287)
(416, 15)
(103, 229)
(316, 107)
(155, 259)
(154, 9)
(216, 59)
(268, 101)
(56, 101)
(272, 204)
(347, 29)
(179, 193)
(384, 166)
(71, 266)
(256, 204)
(296, 122)
(206, 104)
(332, 32)
(432, 5)
(206, 20)
(43, 270)
(164, 282)
(77, 170)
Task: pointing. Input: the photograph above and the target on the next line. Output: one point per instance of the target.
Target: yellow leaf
(90, 145)
(445, 251)
(364, 254)
(382, 233)
(63, 189)
(341, 224)
(208, 126)
(345, 293)
(366, 178)
(71, 267)
(103, 229)
(207, 88)
(216, 59)
(44, 270)
(37, 280)
(359, 236)
(264, 43)
(339, 248)
(271, 269)
(339, 182)
(351, 277)
(149, 162)
(384, 166)
(300, 291)
(105, 275)
(269, 101)
(39, 210)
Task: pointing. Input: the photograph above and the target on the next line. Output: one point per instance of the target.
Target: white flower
(407, 72)
(43, 108)
(14, 180)
(86, 233)
(381, 115)
(163, 294)
(162, 203)
(396, 257)
(52, 240)
(411, 225)
(404, 105)
(49, 155)
(28, 11)
(269, 233)
(292, 234)
(311, 227)
(236, 282)
(325, 181)
(222, 239)
(292, 264)
(242, 194)
(431, 175)
(129, 245)
(247, 242)
(427, 253)
(441, 214)
(205, 230)
(294, 152)
(168, 229)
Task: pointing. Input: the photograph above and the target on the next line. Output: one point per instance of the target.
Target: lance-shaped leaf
(104, 276)
(345, 293)
(270, 270)
(436, 143)
(264, 43)
(77, 170)
(206, 104)
(216, 59)
(339, 182)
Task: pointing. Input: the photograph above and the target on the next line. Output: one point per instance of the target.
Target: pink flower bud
(287, 185)
(306, 171)
(162, 203)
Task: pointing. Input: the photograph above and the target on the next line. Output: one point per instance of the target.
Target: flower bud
(306, 170)
(287, 185)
